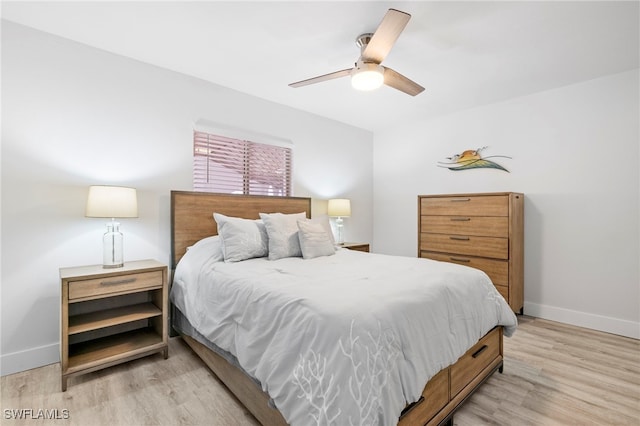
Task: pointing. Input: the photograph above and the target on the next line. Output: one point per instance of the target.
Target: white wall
(576, 158)
(73, 116)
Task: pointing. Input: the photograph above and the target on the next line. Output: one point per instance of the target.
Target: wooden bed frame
(192, 220)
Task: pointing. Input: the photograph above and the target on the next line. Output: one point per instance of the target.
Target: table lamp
(339, 207)
(114, 202)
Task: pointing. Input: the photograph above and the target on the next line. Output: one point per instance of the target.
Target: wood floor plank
(554, 374)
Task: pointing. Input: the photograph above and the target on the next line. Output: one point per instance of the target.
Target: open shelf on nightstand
(110, 317)
(88, 354)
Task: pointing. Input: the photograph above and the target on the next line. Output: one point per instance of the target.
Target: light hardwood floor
(554, 374)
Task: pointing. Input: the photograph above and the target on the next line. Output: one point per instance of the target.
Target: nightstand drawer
(94, 288)
(356, 246)
(474, 361)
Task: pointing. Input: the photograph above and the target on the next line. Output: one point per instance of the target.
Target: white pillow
(282, 230)
(241, 238)
(324, 221)
(314, 239)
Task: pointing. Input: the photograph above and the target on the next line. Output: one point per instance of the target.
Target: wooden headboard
(192, 214)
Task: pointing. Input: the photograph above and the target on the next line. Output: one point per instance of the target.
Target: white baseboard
(31, 358)
(582, 319)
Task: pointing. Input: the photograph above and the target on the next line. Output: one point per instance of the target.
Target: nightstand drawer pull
(477, 353)
(454, 237)
(459, 259)
(460, 199)
(460, 219)
(125, 281)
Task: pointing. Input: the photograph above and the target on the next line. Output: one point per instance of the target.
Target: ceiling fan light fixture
(367, 76)
(368, 73)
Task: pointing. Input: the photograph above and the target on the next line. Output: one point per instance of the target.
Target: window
(228, 165)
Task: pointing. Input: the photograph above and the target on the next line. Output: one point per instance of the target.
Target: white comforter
(345, 339)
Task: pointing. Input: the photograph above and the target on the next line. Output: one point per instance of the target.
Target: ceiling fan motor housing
(363, 40)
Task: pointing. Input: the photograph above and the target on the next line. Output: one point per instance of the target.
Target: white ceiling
(464, 53)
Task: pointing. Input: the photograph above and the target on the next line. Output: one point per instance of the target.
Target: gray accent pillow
(241, 238)
(324, 221)
(314, 239)
(282, 230)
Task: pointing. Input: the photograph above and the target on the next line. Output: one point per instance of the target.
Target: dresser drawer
(497, 270)
(434, 397)
(126, 283)
(474, 361)
(496, 248)
(481, 205)
(504, 291)
(488, 226)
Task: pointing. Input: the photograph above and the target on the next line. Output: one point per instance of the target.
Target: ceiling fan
(368, 73)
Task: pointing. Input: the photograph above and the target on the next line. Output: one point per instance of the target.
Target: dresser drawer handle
(460, 219)
(460, 199)
(125, 281)
(460, 259)
(453, 237)
(477, 353)
(411, 406)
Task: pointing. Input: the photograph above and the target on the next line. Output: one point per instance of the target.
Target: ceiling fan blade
(400, 82)
(321, 78)
(385, 36)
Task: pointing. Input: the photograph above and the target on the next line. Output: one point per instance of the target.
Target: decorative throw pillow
(282, 230)
(241, 238)
(314, 239)
(324, 221)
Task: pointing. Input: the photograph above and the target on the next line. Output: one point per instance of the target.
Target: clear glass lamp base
(339, 226)
(112, 253)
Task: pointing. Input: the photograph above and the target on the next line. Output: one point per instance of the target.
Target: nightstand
(355, 246)
(110, 316)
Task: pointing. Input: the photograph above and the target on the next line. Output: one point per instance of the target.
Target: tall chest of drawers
(484, 231)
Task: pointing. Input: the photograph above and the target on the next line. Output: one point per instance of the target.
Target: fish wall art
(472, 159)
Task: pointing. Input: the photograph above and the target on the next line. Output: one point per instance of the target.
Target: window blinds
(227, 165)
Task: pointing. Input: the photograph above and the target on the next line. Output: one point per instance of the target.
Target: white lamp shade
(111, 201)
(339, 207)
